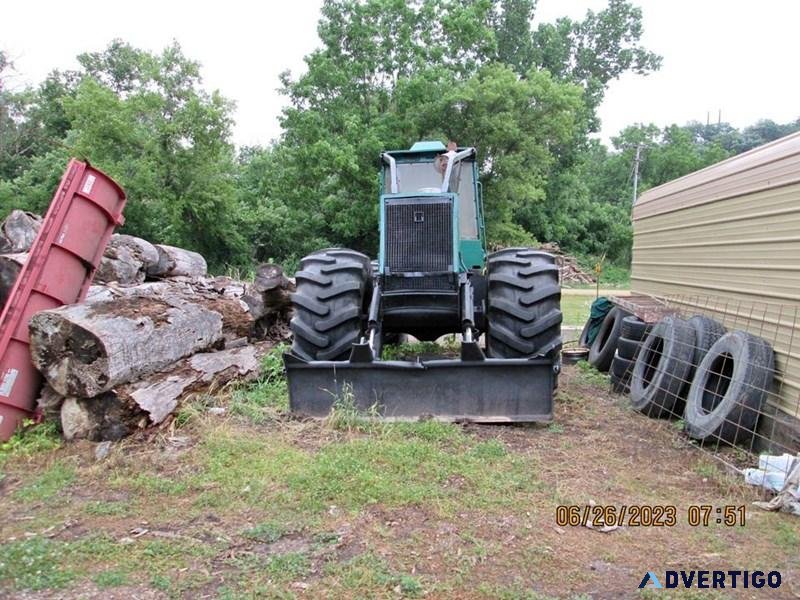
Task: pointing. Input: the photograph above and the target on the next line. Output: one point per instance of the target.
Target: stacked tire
(604, 346)
(716, 381)
(632, 333)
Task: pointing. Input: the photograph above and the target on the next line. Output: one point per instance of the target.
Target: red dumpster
(86, 208)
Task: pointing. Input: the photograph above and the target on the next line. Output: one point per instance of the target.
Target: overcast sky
(736, 56)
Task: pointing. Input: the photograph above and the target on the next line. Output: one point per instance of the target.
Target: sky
(734, 56)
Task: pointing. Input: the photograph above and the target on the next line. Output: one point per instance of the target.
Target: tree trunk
(122, 334)
(126, 260)
(132, 406)
(18, 231)
(176, 262)
(270, 297)
(86, 349)
(10, 266)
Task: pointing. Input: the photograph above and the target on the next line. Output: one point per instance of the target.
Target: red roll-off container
(86, 208)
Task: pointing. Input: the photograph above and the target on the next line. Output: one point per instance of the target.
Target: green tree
(145, 119)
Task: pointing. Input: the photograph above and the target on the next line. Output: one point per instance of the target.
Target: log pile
(122, 359)
(570, 271)
(153, 328)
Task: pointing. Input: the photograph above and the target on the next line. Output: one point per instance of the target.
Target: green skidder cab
(432, 277)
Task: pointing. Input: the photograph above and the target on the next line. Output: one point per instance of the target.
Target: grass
(409, 351)
(575, 309)
(29, 440)
(395, 466)
(267, 397)
(47, 485)
(261, 505)
(588, 375)
(367, 574)
(611, 276)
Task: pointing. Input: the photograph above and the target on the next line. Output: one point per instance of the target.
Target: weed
(161, 582)
(449, 346)
(110, 579)
(266, 397)
(591, 376)
(33, 564)
(707, 470)
(156, 484)
(786, 536)
(488, 449)
(48, 484)
(346, 416)
(363, 574)
(555, 428)
(285, 567)
(265, 532)
(31, 439)
(429, 430)
(106, 509)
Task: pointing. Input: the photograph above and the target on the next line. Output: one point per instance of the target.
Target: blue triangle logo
(654, 582)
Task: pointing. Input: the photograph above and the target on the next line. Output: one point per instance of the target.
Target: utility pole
(636, 161)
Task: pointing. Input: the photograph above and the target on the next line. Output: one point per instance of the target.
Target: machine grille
(419, 235)
(432, 283)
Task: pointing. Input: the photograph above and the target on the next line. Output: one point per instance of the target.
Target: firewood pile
(154, 328)
(569, 270)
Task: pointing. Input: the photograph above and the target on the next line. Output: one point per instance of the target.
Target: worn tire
(621, 368)
(633, 328)
(605, 344)
(662, 368)
(524, 316)
(329, 303)
(706, 331)
(627, 348)
(620, 373)
(729, 389)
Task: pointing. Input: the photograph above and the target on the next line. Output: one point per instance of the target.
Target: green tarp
(600, 308)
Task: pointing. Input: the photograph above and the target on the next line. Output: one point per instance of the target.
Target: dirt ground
(254, 504)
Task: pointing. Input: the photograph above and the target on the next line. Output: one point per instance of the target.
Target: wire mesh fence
(728, 370)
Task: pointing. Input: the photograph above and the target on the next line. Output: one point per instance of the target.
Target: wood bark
(133, 406)
(176, 262)
(126, 260)
(18, 231)
(10, 266)
(87, 349)
(121, 334)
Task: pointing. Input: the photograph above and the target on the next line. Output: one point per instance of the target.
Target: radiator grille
(419, 235)
(434, 283)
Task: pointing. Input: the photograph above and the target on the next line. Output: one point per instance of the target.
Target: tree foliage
(387, 73)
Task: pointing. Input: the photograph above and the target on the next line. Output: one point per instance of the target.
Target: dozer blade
(484, 391)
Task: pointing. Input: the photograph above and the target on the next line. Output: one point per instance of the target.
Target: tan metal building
(725, 241)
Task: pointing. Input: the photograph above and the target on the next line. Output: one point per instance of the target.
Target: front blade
(489, 391)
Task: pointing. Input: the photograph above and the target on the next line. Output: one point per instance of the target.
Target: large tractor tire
(329, 304)
(524, 317)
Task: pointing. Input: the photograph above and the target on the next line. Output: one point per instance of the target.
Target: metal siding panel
(772, 165)
(737, 259)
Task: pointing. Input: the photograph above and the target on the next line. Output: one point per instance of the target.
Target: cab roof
(424, 148)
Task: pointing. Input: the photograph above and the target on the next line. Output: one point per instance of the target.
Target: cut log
(87, 349)
(18, 231)
(126, 260)
(129, 407)
(176, 262)
(273, 287)
(121, 334)
(10, 266)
